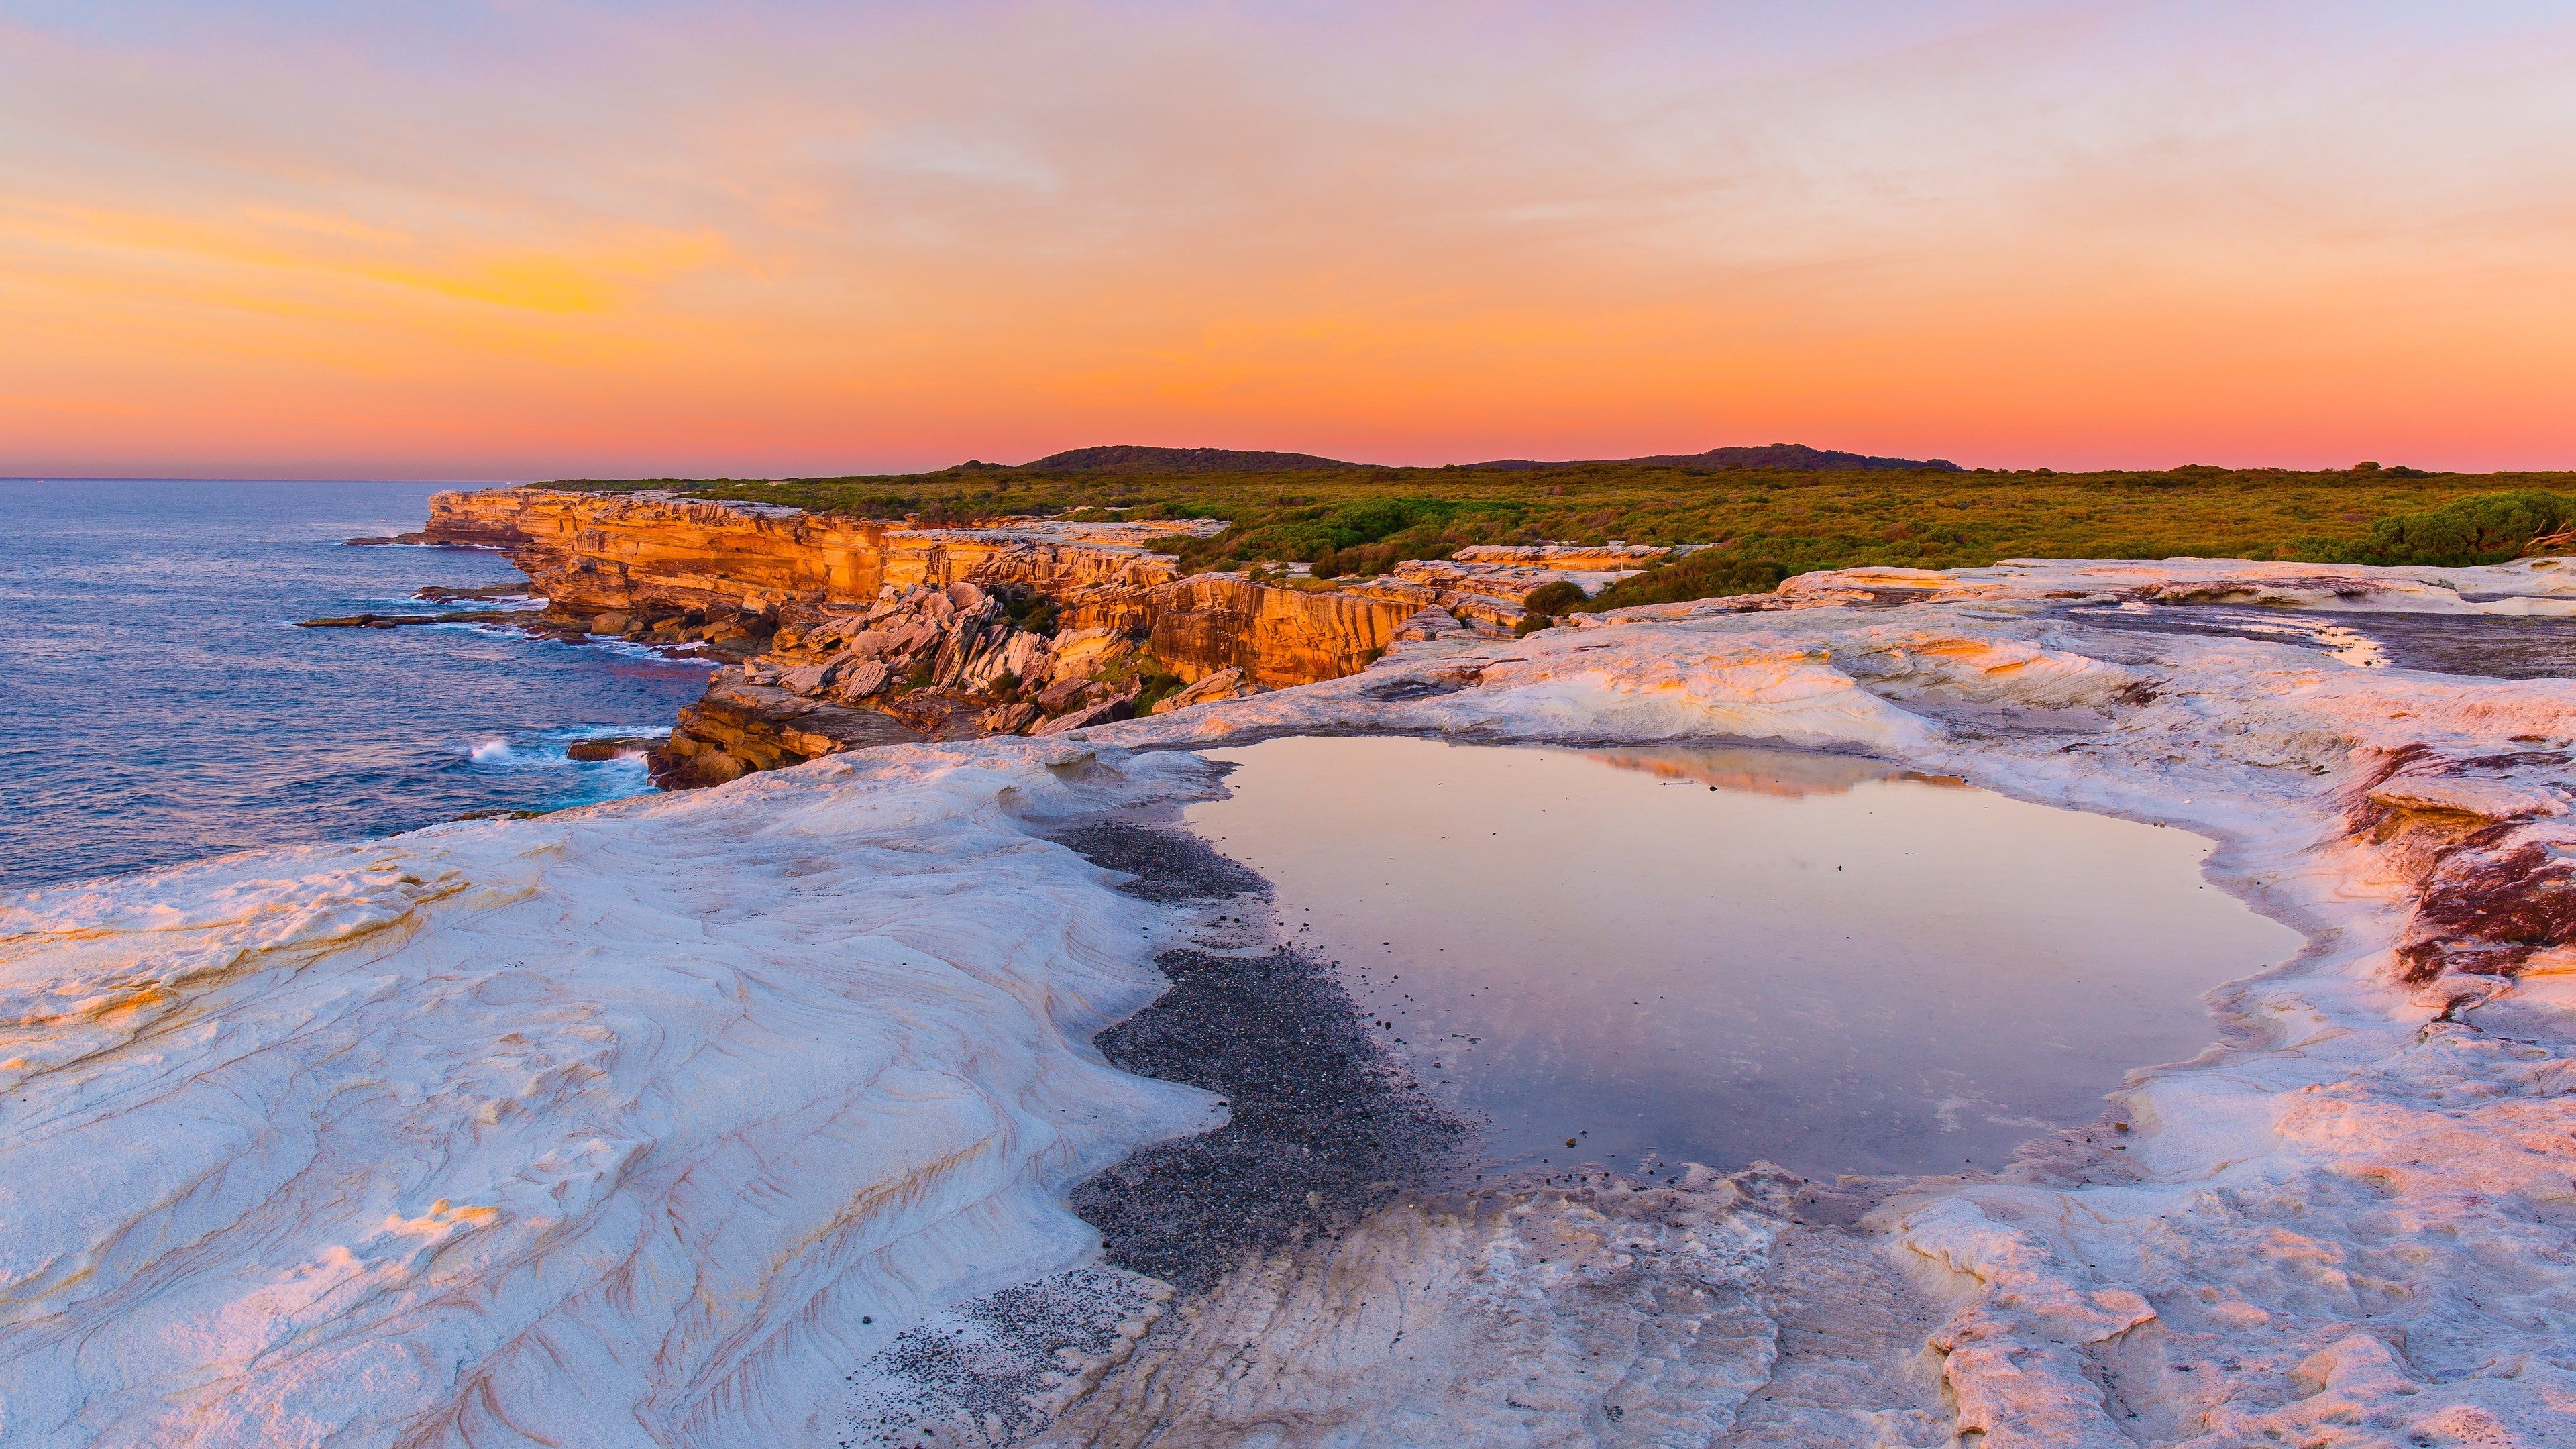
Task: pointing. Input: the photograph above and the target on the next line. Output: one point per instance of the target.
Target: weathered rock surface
(919, 623)
(1209, 689)
(647, 1123)
(1277, 637)
(601, 552)
(739, 727)
(2353, 1228)
(621, 1128)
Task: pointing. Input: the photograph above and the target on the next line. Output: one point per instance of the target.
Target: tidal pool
(1729, 954)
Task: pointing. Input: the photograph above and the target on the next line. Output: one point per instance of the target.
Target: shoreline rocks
(399, 621)
(1025, 625)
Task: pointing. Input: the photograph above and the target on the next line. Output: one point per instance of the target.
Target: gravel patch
(1165, 865)
(1323, 1127)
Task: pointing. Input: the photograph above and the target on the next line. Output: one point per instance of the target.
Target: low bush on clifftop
(1765, 523)
(1707, 574)
(2490, 529)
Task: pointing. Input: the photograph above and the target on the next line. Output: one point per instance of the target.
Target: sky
(515, 239)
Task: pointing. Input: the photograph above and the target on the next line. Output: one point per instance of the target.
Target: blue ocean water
(164, 706)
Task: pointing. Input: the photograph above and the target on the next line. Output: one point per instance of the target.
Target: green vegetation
(1030, 610)
(2486, 529)
(1764, 523)
(1707, 574)
(1553, 599)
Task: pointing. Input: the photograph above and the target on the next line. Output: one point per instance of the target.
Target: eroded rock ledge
(840, 633)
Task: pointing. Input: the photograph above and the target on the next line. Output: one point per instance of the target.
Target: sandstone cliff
(837, 625)
(1276, 637)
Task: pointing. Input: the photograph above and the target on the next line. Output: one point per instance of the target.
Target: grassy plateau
(1764, 523)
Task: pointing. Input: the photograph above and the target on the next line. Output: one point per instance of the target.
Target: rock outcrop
(831, 627)
(1278, 637)
(738, 727)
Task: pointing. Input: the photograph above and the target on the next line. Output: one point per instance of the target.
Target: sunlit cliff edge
(834, 627)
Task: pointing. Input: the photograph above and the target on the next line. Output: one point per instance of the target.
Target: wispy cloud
(523, 239)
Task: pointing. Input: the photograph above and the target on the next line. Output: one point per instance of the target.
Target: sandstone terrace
(1765, 523)
(2352, 1231)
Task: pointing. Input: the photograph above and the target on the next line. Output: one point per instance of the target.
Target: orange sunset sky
(513, 240)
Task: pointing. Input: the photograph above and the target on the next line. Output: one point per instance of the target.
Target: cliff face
(783, 592)
(593, 553)
(612, 553)
(598, 553)
(487, 519)
(1277, 637)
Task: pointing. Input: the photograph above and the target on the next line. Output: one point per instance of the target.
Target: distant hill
(1179, 460)
(1796, 456)
(1169, 461)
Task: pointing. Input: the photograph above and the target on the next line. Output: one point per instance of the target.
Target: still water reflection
(1725, 954)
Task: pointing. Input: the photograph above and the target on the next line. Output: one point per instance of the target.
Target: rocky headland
(840, 633)
(695, 1119)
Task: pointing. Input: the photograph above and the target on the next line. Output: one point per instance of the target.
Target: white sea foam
(659, 653)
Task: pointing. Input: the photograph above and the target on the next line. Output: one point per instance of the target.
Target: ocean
(167, 708)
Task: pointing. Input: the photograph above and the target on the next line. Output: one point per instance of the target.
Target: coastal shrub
(1159, 685)
(1792, 519)
(1376, 558)
(1707, 574)
(1361, 537)
(1553, 599)
(2489, 529)
(1032, 611)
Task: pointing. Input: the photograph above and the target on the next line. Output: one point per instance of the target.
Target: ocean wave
(588, 782)
(691, 654)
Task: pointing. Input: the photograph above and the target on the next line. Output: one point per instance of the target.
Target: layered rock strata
(598, 553)
(823, 621)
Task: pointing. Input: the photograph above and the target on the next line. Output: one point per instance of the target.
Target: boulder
(1428, 624)
(1056, 698)
(861, 679)
(803, 680)
(1007, 719)
(1105, 712)
(1082, 653)
(1024, 656)
(1224, 684)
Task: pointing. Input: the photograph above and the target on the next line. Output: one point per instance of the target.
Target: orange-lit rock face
(1277, 637)
(596, 553)
(828, 586)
